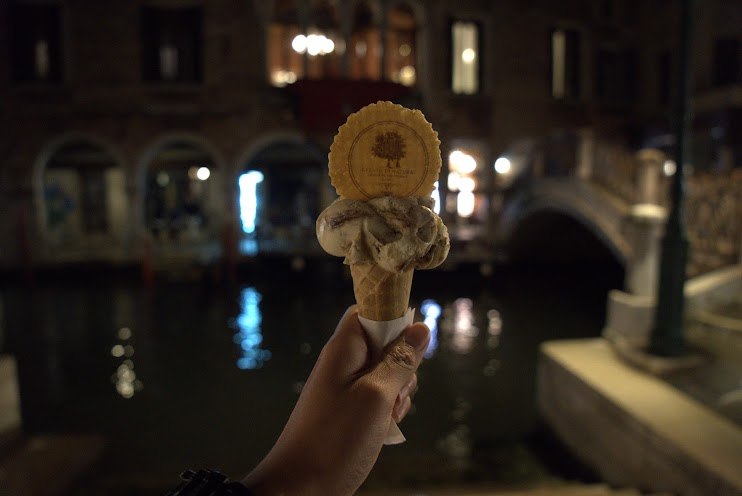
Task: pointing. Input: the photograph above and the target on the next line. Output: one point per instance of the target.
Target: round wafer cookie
(385, 149)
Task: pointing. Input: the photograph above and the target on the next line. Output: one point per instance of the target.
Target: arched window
(82, 185)
(285, 64)
(365, 44)
(401, 47)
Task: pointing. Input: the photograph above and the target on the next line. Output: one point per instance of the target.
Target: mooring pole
(668, 336)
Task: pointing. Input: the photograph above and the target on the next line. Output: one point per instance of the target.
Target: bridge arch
(576, 215)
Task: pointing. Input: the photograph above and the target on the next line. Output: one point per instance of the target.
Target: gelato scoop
(384, 163)
(395, 234)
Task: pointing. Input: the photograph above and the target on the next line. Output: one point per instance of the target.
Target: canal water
(201, 374)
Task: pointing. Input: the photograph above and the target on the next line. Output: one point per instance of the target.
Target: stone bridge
(621, 199)
(601, 213)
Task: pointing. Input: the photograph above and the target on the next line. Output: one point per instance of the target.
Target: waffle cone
(381, 295)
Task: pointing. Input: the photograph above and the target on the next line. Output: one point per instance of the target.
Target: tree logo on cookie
(390, 146)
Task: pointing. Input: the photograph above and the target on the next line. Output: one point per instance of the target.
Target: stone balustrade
(714, 220)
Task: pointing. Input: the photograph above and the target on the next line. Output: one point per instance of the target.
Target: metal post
(667, 337)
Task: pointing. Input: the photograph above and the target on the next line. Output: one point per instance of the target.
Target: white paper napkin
(381, 333)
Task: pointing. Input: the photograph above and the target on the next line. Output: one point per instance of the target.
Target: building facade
(187, 127)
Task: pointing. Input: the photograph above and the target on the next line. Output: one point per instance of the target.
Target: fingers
(404, 400)
(402, 409)
(347, 351)
(400, 361)
(408, 388)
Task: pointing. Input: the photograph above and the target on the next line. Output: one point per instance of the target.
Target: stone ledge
(633, 428)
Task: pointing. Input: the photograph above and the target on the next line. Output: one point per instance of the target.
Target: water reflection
(249, 335)
(494, 328)
(125, 378)
(472, 408)
(249, 247)
(457, 444)
(459, 323)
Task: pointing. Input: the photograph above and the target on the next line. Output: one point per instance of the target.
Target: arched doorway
(83, 199)
(281, 193)
(183, 204)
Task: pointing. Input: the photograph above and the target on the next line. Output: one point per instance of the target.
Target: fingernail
(417, 336)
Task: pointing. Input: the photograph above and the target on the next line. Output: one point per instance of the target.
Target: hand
(338, 426)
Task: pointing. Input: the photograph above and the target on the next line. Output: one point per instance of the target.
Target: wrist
(284, 479)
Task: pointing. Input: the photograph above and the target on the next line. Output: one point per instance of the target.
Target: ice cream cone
(381, 295)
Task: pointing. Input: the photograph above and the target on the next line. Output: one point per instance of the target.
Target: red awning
(324, 105)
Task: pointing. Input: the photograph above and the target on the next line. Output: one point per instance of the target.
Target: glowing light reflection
(460, 323)
(125, 378)
(494, 328)
(249, 247)
(249, 336)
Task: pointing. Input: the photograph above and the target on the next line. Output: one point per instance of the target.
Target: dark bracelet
(208, 483)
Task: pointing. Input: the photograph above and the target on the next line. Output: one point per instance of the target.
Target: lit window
(465, 180)
(565, 63)
(168, 62)
(35, 38)
(171, 44)
(465, 63)
(42, 59)
(296, 52)
(286, 49)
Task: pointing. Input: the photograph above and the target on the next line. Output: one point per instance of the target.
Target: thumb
(401, 358)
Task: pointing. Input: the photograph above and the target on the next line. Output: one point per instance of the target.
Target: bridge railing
(615, 168)
(713, 200)
(714, 220)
